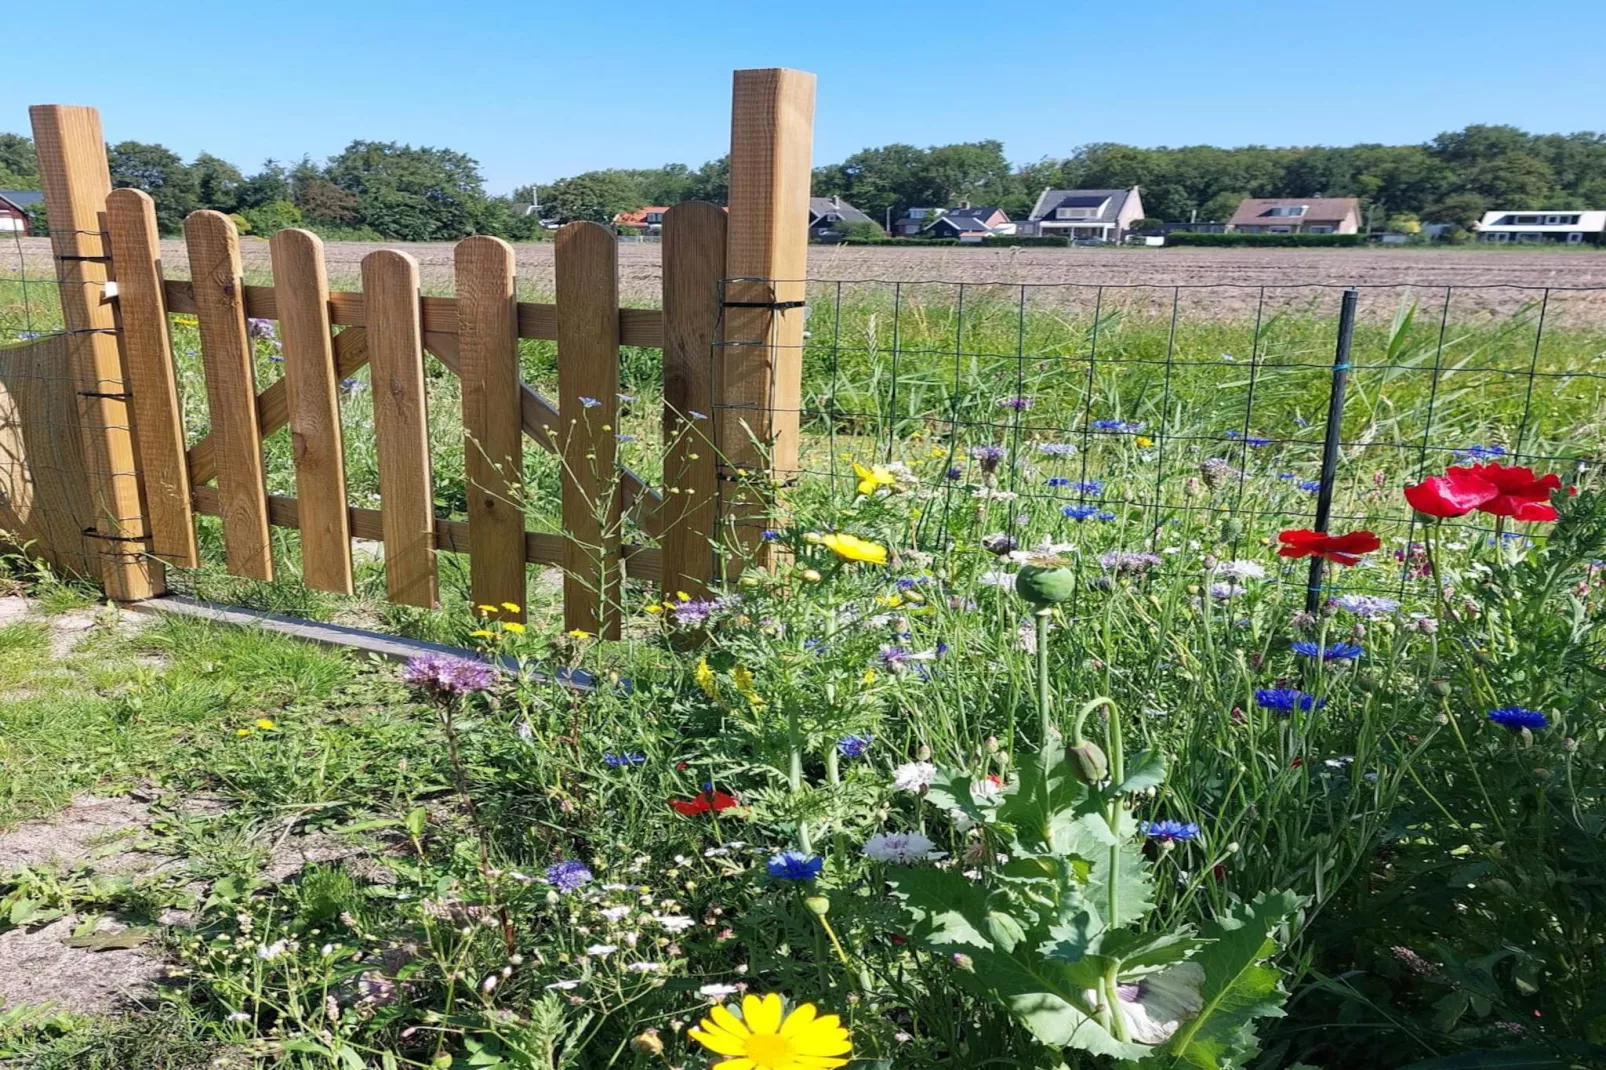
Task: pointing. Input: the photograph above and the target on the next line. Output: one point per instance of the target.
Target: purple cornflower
(1170, 831)
(590, 403)
(261, 329)
(446, 675)
(988, 457)
(854, 746)
(955, 473)
(623, 761)
(795, 866)
(1517, 718)
(1370, 606)
(1019, 404)
(698, 610)
(1057, 449)
(1128, 562)
(568, 876)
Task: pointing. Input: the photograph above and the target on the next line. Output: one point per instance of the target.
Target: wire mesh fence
(1137, 422)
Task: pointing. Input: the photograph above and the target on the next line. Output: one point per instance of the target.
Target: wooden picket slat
(214, 252)
(493, 438)
(148, 355)
(587, 269)
(396, 354)
(693, 265)
(312, 398)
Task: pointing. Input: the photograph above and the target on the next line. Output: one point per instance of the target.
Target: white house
(1569, 227)
(1084, 214)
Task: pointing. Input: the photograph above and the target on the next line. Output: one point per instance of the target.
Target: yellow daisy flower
(852, 548)
(267, 724)
(480, 633)
(513, 626)
(871, 478)
(766, 1038)
(579, 633)
(705, 678)
(1144, 442)
(511, 607)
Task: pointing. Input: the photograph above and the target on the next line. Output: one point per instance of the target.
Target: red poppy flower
(1339, 549)
(705, 801)
(1496, 489)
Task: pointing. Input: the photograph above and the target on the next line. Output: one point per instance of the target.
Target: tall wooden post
(758, 375)
(72, 166)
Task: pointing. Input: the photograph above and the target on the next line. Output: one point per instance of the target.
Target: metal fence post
(1335, 423)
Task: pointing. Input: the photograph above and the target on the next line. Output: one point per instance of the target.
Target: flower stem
(1044, 698)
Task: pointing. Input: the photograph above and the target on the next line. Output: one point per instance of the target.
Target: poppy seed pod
(1089, 762)
(1046, 581)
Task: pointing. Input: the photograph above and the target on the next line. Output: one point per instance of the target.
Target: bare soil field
(1488, 281)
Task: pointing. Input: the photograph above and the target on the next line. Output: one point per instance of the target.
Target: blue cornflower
(1480, 453)
(769, 535)
(1091, 487)
(623, 761)
(854, 746)
(590, 403)
(1336, 652)
(909, 583)
(1249, 440)
(568, 876)
(1103, 514)
(1059, 481)
(1310, 486)
(1285, 699)
(626, 398)
(1170, 831)
(1057, 449)
(695, 415)
(1287, 476)
(1516, 718)
(1123, 426)
(795, 866)
(816, 646)
(1079, 512)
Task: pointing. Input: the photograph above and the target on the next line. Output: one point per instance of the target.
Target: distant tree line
(394, 191)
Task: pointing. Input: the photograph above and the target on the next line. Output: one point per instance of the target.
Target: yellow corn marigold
(765, 1037)
(852, 548)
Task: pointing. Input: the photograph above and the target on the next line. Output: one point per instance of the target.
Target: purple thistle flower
(1128, 562)
(988, 457)
(1019, 404)
(444, 675)
(261, 329)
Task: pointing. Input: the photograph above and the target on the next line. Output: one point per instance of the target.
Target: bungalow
(1084, 214)
(1562, 227)
(14, 205)
(648, 220)
(1295, 215)
(969, 224)
(828, 214)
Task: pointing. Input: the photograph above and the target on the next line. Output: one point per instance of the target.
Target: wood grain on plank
(396, 355)
(493, 435)
(76, 182)
(148, 354)
(587, 271)
(693, 267)
(214, 253)
(312, 398)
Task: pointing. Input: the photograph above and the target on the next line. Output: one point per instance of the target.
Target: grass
(1395, 813)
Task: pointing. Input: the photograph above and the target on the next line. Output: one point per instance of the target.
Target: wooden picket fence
(730, 336)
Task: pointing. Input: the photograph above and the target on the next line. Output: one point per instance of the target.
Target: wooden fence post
(759, 373)
(73, 170)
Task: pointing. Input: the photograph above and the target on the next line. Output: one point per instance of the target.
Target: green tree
(19, 167)
(415, 194)
(160, 172)
(217, 182)
(268, 185)
(596, 196)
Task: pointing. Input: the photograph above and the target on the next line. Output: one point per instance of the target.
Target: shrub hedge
(1184, 237)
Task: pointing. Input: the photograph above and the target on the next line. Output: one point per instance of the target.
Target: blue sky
(537, 91)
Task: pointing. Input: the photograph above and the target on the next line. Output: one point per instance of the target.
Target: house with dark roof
(1104, 215)
(828, 215)
(969, 224)
(14, 205)
(1296, 215)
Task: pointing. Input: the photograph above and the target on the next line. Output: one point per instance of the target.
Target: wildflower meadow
(1040, 743)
